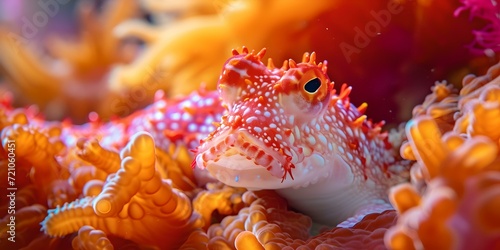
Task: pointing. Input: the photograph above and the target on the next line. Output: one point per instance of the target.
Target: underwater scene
(250, 124)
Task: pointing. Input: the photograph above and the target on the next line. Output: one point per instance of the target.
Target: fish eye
(312, 85)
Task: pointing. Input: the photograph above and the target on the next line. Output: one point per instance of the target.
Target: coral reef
(132, 193)
(70, 72)
(128, 183)
(135, 203)
(487, 39)
(453, 201)
(265, 222)
(113, 75)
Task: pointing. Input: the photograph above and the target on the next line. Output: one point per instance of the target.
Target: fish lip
(232, 142)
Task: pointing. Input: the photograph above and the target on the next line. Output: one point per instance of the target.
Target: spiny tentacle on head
(284, 120)
(259, 99)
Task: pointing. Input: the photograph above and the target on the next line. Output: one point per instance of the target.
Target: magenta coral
(487, 40)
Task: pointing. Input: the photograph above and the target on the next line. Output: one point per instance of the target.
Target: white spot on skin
(311, 140)
(342, 134)
(307, 130)
(341, 149)
(318, 160)
(174, 125)
(209, 102)
(158, 116)
(294, 156)
(257, 129)
(175, 116)
(296, 132)
(192, 127)
(251, 119)
(358, 161)
(349, 131)
(209, 120)
(350, 157)
(203, 129)
(242, 72)
(247, 110)
(322, 139)
(186, 117)
(161, 126)
(307, 151)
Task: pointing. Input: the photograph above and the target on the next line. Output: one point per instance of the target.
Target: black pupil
(312, 85)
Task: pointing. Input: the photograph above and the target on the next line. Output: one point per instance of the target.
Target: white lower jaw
(237, 171)
(230, 165)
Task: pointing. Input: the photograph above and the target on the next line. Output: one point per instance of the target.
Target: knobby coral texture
(265, 154)
(454, 198)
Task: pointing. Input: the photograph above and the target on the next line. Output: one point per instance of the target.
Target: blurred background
(71, 57)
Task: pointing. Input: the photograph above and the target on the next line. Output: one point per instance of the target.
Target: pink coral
(487, 40)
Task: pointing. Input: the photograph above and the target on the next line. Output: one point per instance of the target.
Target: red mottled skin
(288, 121)
(270, 128)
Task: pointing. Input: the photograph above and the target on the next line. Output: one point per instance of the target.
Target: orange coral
(37, 150)
(27, 220)
(135, 203)
(173, 60)
(66, 168)
(66, 78)
(264, 215)
(457, 208)
(90, 238)
(147, 190)
(175, 49)
(183, 9)
(218, 197)
(266, 223)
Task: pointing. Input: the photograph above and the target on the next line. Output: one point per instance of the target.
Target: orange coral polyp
(425, 138)
(459, 204)
(404, 197)
(88, 237)
(130, 204)
(487, 207)
(143, 193)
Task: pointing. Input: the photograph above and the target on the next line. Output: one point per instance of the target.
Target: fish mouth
(237, 158)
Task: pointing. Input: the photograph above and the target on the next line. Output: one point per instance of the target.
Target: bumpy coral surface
(453, 202)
